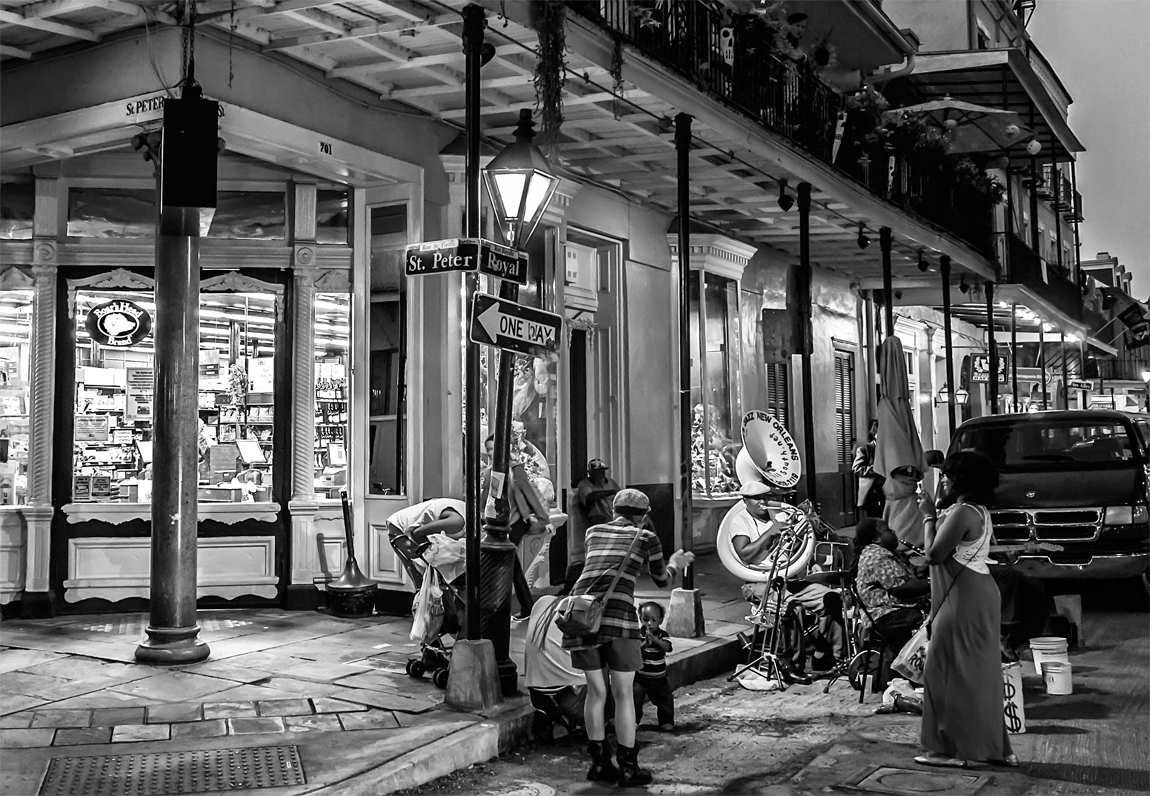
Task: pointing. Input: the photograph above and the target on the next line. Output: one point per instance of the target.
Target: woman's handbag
(580, 614)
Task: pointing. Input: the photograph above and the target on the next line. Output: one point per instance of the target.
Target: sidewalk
(300, 701)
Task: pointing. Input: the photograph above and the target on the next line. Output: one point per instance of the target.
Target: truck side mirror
(934, 458)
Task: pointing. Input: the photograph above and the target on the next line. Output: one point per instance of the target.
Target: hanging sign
(980, 369)
(465, 254)
(505, 324)
(118, 324)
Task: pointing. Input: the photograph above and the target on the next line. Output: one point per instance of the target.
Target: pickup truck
(1070, 479)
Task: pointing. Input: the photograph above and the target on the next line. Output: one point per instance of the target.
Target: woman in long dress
(962, 717)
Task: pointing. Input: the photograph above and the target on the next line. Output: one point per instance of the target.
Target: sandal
(941, 761)
(1010, 761)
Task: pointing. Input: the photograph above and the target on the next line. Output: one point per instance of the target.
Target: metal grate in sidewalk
(174, 773)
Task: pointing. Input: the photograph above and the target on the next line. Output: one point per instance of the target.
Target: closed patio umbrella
(968, 127)
(898, 455)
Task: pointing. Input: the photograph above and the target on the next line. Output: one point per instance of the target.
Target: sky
(1098, 48)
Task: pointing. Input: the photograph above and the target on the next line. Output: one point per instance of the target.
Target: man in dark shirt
(595, 493)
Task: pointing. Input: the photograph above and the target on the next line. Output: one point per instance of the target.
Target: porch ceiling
(410, 52)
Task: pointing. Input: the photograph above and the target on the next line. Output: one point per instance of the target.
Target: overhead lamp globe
(1034, 147)
(520, 182)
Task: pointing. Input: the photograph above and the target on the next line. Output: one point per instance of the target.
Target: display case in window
(714, 436)
(15, 349)
(332, 393)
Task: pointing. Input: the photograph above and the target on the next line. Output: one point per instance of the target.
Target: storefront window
(131, 213)
(331, 215)
(113, 424)
(714, 440)
(388, 347)
(15, 350)
(332, 352)
(17, 203)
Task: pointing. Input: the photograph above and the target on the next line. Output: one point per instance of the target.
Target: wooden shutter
(844, 406)
(778, 393)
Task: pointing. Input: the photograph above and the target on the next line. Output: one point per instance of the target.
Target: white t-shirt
(412, 517)
(549, 667)
(746, 525)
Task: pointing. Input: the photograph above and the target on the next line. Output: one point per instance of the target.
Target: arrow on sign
(505, 324)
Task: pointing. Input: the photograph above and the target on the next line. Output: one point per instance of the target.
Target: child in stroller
(408, 532)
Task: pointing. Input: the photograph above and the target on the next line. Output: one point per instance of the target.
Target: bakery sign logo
(119, 323)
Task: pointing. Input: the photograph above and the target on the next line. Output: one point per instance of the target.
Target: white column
(38, 512)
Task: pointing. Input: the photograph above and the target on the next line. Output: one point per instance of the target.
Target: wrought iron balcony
(1122, 368)
(1025, 267)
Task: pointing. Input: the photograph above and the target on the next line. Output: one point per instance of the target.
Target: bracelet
(930, 519)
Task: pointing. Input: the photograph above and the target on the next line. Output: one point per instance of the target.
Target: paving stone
(19, 721)
(141, 732)
(174, 687)
(15, 704)
(75, 736)
(326, 723)
(370, 720)
(62, 718)
(15, 660)
(228, 710)
(165, 714)
(255, 726)
(22, 739)
(112, 717)
(329, 705)
(387, 700)
(213, 728)
(284, 707)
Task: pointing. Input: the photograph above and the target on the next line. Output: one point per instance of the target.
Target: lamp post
(520, 184)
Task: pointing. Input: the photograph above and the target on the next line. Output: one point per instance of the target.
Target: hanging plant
(550, 68)
(617, 75)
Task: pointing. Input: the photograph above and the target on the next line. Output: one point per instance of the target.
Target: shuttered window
(844, 406)
(778, 393)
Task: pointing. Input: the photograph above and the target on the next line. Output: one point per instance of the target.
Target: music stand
(768, 660)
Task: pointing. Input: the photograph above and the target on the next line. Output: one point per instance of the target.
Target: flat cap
(754, 489)
(631, 499)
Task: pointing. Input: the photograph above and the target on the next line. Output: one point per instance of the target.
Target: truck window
(1052, 443)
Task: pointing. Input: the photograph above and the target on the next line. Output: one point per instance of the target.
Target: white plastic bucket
(1058, 677)
(1048, 648)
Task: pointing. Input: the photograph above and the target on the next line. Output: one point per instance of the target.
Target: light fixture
(1073, 338)
(520, 183)
(1034, 147)
(1146, 376)
(963, 288)
(961, 396)
(863, 240)
(1046, 327)
(785, 202)
(923, 265)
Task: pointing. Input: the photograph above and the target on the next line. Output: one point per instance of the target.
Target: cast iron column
(803, 288)
(992, 349)
(1057, 178)
(951, 387)
(1042, 361)
(1065, 375)
(683, 149)
(1014, 357)
(887, 280)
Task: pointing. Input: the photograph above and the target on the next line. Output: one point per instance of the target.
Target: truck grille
(1048, 525)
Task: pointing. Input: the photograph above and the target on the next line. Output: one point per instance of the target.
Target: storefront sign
(92, 428)
(980, 369)
(508, 325)
(465, 254)
(1080, 384)
(119, 323)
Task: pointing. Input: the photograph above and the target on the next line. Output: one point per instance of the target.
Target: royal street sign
(465, 254)
(505, 324)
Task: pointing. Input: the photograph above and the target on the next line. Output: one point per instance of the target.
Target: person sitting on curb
(558, 690)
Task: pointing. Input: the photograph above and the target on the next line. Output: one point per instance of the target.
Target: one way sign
(505, 324)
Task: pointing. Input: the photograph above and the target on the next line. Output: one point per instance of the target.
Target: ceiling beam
(14, 52)
(47, 25)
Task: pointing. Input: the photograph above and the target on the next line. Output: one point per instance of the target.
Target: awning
(1008, 79)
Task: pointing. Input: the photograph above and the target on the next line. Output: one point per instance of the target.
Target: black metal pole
(1014, 356)
(992, 349)
(1057, 178)
(1077, 239)
(683, 149)
(887, 279)
(804, 290)
(1065, 375)
(473, 23)
(951, 387)
(1042, 361)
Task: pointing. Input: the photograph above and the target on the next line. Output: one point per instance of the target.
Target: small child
(652, 681)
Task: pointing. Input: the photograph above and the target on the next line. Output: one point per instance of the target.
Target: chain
(231, 41)
(187, 42)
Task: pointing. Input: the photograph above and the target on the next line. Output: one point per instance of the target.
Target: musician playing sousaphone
(755, 536)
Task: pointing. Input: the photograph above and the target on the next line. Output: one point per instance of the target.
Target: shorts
(618, 655)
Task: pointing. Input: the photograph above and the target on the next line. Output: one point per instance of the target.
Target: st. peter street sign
(465, 254)
(505, 324)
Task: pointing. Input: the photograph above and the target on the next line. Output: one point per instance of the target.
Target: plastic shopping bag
(911, 659)
(428, 611)
(447, 555)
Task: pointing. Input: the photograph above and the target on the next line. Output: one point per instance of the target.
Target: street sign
(465, 254)
(505, 324)
(980, 369)
(1080, 384)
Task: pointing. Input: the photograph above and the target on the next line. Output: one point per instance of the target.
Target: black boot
(629, 771)
(602, 767)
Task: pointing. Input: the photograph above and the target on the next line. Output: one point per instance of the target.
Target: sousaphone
(769, 456)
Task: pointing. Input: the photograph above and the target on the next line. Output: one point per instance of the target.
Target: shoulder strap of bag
(623, 564)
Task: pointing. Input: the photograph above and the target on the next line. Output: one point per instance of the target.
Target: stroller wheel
(868, 660)
(416, 668)
(440, 678)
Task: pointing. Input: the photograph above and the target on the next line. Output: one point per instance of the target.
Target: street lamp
(520, 184)
(961, 396)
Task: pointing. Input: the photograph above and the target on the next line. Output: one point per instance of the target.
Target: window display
(714, 440)
(388, 351)
(15, 351)
(332, 394)
(115, 389)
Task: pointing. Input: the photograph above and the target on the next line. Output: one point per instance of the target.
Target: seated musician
(880, 571)
(753, 537)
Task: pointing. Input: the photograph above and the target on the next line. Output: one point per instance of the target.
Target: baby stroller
(434, 655)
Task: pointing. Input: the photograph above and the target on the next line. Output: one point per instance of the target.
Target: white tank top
(974, 554)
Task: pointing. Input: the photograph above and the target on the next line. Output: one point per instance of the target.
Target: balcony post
(804, 291)
(1057, 177)
(992, 349)
(887, 286)
(1065, 376)
(1014, 355)
(1042, 360)
(1077, 240)
(944, 269)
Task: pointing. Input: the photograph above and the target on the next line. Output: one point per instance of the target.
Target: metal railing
(691, 40)
(1122, 368)
(1025, 267)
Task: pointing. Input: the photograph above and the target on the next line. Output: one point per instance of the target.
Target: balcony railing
(1025, 267)
(692, 40)
(1123, 368)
